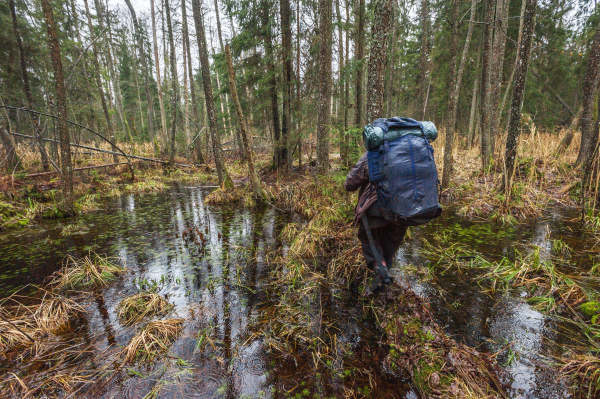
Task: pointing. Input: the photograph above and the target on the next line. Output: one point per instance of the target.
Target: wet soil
(219, 285)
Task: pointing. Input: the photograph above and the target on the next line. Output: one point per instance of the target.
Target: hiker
(399, 191)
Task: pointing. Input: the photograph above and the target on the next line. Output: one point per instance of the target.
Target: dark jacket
(358, 178)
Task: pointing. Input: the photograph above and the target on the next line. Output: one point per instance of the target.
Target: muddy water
(219, 286)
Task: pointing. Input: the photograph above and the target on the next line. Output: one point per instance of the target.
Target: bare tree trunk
(298, 115)
(512, 75)
(194, 113)
(286, 119)
(111, 67)
(224, 179)
(186, 101)
(247, 141)
(174, 82)
(453, 91)
(359, 44)
(590, 87)
(163, 120)
(566, 141)
(424, 65)
(228, 123)
(323, 105)
(486, 153)
(341, 79)
(145, 71)
(272, 79)
(514, 122)
(109, 127)
(473, 117)
(501, 29)
(12, 159)
(380, 33)
(27, 88)
(61, 107)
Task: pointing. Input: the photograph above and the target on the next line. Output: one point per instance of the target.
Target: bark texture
(486, 106)
(324, 103)
(286, 119)
(27, 88)
(145, 72)
(380, 34)
(97, 76)
(452, 94)
(223, 174)
(514, 122)
(163, 120)
(359, 43)
(590, 87)
(61, 107)
(174, 82)
(246, 140)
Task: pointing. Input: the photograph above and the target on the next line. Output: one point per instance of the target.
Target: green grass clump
(135, 308)
(591, 310)
(91, 271)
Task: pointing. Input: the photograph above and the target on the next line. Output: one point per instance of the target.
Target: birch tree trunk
(246, 140)
(514, 122)
(61, 107)
(223, 174)
(381, 31)
(323, 105)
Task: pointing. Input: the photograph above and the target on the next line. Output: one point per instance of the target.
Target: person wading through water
(397, 179)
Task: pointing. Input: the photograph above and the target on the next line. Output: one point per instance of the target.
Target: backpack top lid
(396, 127)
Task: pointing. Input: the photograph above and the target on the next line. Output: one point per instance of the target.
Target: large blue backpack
(404, 172)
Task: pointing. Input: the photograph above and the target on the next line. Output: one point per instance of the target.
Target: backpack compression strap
(383, 271)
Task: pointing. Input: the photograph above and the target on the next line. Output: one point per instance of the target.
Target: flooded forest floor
(165, 287)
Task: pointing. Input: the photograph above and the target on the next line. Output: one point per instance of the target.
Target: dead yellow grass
(153, 340)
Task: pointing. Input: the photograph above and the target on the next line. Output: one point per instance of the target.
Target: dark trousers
(387, 237)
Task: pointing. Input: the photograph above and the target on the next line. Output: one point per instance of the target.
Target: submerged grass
(91, 271)
(135, 308)
(438, 366)
(152, 341)
(22, 326)
(547, 287)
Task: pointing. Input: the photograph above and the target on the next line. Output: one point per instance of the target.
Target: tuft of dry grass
(153, 340)
(134, 308)
(91, 271)
(24, 325)
(584, 370)
(226, 196)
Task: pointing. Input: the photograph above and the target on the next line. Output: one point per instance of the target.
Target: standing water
(219, 285)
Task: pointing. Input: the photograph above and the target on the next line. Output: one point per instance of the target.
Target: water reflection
(210, 263)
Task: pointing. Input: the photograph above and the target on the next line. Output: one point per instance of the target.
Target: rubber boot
(382, 277)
